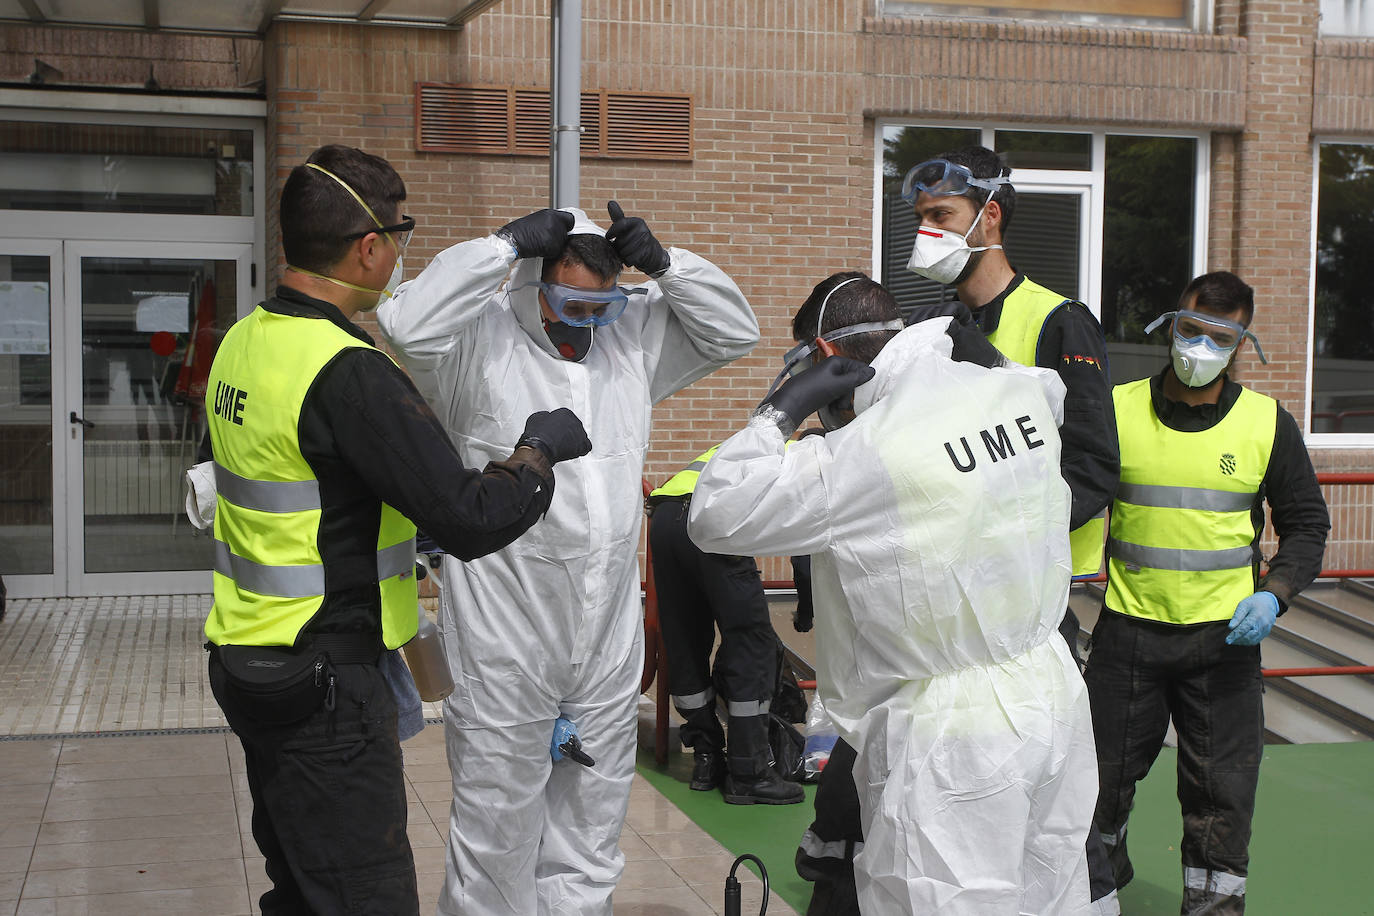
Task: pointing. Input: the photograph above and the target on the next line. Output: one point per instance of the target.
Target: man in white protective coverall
(937, 523)
(553, 626)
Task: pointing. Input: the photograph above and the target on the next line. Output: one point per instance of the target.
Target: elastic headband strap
(820, 318)
(352, 193)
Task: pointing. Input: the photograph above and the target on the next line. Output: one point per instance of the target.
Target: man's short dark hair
(859, 302)
(586, 249)
(1220, 293)
(984, 163)
(317, 215)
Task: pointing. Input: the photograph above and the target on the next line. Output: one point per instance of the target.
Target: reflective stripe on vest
(303, 581)
(267, 495)
(270, 578)
(685, 481)
(1017, 336)
(1181, 548)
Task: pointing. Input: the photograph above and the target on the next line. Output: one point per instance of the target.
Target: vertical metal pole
(565, 134)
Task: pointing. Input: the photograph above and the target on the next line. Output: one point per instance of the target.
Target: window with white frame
(1155, 14)
(1117, 221)
(1354, 18)
(1342, 332)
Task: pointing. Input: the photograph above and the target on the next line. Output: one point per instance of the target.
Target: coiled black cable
(732, 888)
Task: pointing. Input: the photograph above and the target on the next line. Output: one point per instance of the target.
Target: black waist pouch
(284, 684)
(276, 684)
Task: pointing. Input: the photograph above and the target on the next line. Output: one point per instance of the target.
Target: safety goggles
(798, 359)
(942, 178)
(400, 232)
(1198, 327)
(581, 307)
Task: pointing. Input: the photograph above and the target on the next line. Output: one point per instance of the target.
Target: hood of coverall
(930, 339)
(524, 297)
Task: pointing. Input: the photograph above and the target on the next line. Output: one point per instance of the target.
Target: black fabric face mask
(573, 343)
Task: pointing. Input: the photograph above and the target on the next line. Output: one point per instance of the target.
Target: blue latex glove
(566, 743)
(1253, 620)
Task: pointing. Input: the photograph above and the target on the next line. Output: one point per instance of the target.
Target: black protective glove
(556, 433)
(634, 242)
(970, 344)
(541, 234)
(830, 379)
(803, 618)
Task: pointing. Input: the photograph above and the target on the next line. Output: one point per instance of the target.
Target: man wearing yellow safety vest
(697, 592)
(1185, 608)
(326, 457)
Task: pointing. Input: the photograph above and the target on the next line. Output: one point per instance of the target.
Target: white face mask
(941, 254)
(1198, 363)
(397, 273)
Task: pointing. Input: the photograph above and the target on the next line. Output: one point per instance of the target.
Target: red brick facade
(780, 192)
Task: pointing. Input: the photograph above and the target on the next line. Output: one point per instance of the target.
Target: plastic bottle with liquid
(425, 656)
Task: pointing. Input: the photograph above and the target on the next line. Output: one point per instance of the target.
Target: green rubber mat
(1316, 802)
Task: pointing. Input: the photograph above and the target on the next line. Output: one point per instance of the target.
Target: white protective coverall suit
(553, 623)
(938, 587)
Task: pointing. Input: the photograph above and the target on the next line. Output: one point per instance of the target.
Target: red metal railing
(654, 637)
(655, 659)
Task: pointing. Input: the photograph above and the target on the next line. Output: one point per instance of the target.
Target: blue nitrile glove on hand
(1253, 620)
(830, 379)
(566, 743)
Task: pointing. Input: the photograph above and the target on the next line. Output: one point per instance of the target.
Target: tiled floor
(117, 823)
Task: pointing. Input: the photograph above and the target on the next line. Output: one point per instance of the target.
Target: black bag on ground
(276, 684)
(786, 745)
(789, 701)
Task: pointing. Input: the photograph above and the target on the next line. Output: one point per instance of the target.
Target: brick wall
(123, 58)
(780, 190)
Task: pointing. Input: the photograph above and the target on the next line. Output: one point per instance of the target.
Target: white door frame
(78, 581)
(1089, 242)
(53, 583)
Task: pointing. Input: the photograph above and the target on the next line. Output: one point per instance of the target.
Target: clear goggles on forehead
(942, 178)
(798, 359)
(580, 307)
(1199, 327)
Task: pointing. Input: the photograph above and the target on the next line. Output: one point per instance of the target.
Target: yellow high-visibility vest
(1017, 337)
(269, 573)
(1180, 547)
(685, 481)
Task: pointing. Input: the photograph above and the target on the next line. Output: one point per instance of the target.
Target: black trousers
(329, 801)
(1140, 674)
(698, 592)
(826, 854)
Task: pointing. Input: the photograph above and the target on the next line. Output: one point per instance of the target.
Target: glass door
(146, 319)
(32, 533)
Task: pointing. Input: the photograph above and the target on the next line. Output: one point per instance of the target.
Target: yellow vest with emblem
(269, 573)
(685, 481)
(1017, 337)
(1179, 549)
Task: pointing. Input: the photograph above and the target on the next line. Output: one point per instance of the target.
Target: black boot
(701, 732)
(751, 777)
(708, 769)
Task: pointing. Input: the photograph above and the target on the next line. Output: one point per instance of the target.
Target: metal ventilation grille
(452, 118)
(647, 126)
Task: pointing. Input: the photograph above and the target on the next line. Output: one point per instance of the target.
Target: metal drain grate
(138, 733)
(148, 732)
